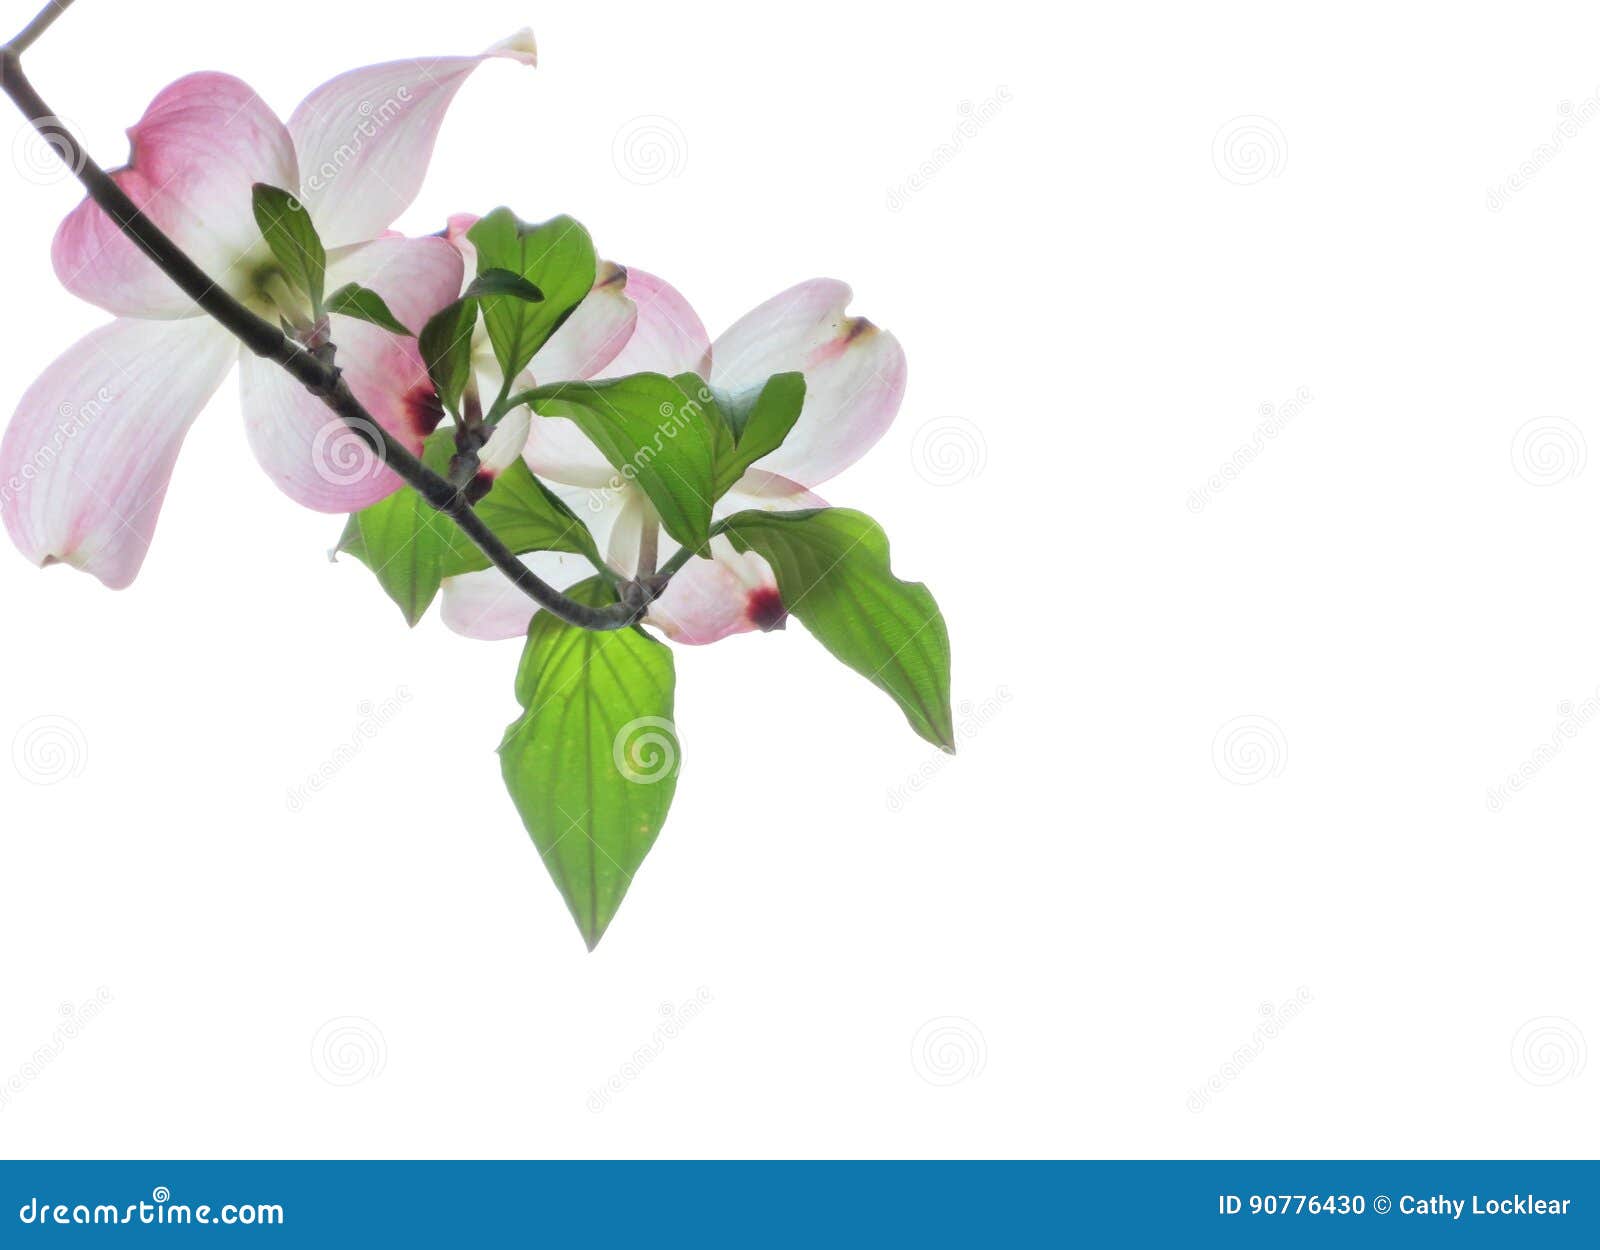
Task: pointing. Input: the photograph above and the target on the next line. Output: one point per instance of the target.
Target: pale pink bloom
(584, 345)
(85, 462)
(855, 378)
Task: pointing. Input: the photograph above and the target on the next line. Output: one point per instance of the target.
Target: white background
(1389, 607)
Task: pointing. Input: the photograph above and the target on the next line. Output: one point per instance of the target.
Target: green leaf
(526, 516)
(653, 434)
(287, 228)
(557, 258)
(832, 566)
(504, 282)
(446, 347)
(350, 541)
(411, 548)
(757, 420)
(403, 540)
(592, 762)
(365, 304)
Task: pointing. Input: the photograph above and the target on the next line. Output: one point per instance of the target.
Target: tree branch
(38, 26)
(320, 377)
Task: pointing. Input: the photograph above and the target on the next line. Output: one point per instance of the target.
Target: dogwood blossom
(587, 342)
(86, 459)
(855, 378)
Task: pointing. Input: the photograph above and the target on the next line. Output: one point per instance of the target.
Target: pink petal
(485, 605)
(768, 491)
(558, 452)
(591, 337)
(365, 138)
(586, 343)
(195, 153)
(710, 600)
(416, 277)
(308, 451)
(855, 375)
(627, 529)
(85, 461)
(668, 336)
(731, 593)
(456, 227)
(505, 443)
(455, 230)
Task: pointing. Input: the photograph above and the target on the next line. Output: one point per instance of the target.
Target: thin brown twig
(38, 26)
(319, 376)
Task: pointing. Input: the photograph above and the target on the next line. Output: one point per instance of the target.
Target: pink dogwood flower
(85, 461)
(587, 341)
(855, 378)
